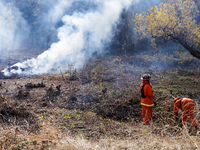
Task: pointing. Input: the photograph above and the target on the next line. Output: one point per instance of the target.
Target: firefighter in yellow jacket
(146, 100)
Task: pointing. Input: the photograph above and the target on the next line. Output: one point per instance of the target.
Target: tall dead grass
(149, 137)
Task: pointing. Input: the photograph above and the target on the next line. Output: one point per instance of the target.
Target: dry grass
(98, 107)
(145, 138)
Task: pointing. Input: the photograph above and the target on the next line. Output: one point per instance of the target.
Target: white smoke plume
(13, 28)
(81, 35)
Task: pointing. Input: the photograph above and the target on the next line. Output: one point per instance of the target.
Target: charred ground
(100, 101)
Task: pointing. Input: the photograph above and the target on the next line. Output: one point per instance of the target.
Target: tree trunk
(193, 51)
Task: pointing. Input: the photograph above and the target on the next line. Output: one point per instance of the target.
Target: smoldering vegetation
(99, 101)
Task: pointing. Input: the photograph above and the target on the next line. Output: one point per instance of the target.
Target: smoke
(13, 28)
(82, 33)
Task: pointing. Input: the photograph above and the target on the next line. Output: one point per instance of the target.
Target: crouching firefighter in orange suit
(187, 106)
(146, 100)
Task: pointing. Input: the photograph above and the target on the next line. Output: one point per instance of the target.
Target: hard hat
(146, 77)
(176, 99)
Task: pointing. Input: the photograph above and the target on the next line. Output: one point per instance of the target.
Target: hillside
(98, 107)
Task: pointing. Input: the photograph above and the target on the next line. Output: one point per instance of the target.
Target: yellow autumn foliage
(171, 20)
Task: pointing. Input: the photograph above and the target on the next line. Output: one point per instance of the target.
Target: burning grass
(97, 107)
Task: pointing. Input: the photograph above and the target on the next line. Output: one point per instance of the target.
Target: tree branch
(193, 51)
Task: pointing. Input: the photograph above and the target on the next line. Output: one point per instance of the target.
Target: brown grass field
(98, 107)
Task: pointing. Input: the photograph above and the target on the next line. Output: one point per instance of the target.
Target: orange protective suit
(187, 106)
(147, 102)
